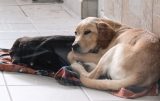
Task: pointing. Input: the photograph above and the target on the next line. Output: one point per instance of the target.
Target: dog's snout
(75, 47)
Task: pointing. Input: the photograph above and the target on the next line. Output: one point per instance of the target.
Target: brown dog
(128, 56)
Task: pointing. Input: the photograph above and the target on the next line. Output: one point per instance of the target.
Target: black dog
(42, 53)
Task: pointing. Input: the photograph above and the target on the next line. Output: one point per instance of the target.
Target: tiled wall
(137, 13)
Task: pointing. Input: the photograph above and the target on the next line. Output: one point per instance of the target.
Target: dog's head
(92, 34)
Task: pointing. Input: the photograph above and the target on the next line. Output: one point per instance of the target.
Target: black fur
(42, 53)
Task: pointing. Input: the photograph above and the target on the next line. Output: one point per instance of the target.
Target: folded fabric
(66, 76)
(43, 52)
(6, 65)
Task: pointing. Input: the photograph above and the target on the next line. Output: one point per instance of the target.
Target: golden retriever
(127, 56)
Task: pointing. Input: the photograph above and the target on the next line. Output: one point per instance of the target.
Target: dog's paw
(89, 66)
(70, 57)
(73, 57)
(76, 67)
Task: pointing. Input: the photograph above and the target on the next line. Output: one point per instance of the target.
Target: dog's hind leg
(110, 84)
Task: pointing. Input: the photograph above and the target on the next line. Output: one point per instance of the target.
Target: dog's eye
(87, 32)
(75, 33)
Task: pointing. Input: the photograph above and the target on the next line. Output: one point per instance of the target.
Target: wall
(137, 13)
(89, 8)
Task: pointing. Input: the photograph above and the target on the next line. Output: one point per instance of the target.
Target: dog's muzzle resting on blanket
(42, 53)
(127, 56)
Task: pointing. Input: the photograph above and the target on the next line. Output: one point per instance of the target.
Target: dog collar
(95, 50)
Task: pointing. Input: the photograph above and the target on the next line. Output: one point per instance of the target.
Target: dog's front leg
(93, 70)
(80, 69)
(95, 73)
(102, 66)
(77, 67)
(71, 57)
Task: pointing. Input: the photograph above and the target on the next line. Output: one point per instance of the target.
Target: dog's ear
(105, 34)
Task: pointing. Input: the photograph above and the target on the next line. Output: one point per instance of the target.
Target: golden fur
(128, 56)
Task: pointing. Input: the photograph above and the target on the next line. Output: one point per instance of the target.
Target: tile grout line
(9, 93)
(39, 32)
(71, 13)
(89, 98)
(31, 22)
(22, 11)
(37, 4)
(29, 18)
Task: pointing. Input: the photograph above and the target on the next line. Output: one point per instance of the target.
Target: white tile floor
(23, 18)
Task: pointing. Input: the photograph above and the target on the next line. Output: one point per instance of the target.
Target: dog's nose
(75, 47)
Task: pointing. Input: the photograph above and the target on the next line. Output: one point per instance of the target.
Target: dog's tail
(106, 84)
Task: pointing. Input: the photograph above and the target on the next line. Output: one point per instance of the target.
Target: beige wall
(137, 13)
